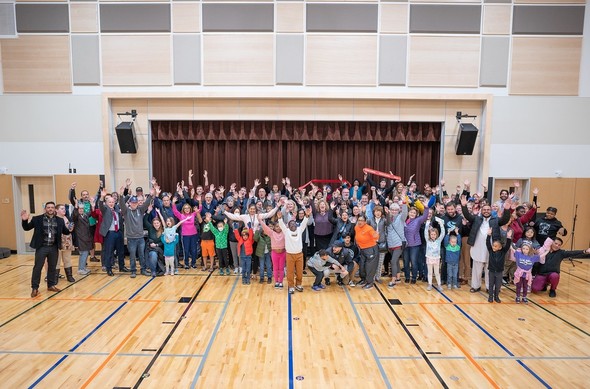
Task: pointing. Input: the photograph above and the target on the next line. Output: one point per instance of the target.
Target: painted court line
(55, 365)
(105, 285)
(545, 384)
(214, 335)
(51, 353)
(290, 340)
(375, 356)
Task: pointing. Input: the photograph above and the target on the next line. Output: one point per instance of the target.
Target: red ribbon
(382, 174)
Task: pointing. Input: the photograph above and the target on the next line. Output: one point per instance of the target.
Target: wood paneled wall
(8, 235)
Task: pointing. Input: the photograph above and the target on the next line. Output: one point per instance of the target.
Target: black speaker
(466, 139)
(126, 137)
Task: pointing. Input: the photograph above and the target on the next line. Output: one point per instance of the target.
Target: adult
(85, 234)
(250, 219)
(154, 246)
(46, 241)
(133, 217)
(396, 239)
(110, 229)
(323, 227)
(381, 190)
(413, 242)
(548, 273)
(376, 219)
(480, 225)
(345, 257)
(67, 245)
(88, 205)
(548, 226)
(366, 238)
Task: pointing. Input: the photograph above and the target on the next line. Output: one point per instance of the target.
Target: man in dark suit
(46, 241)
(110, 229)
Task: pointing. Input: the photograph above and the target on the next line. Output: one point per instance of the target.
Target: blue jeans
(189, 246)
(82, 260)
(452, 274)
(136, 247)
(411, 256)
(246, 267)
(152, 262)
(265, 263)
(422, 267)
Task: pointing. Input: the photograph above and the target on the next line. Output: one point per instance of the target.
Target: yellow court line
(119, 346)
(469, 357)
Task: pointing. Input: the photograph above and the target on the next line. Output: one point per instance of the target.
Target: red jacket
(248, 243)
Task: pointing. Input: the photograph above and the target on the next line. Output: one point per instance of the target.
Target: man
(480, 225)
(85, 202)
(110, 229)
(133, 217)
(548, 273)
(46, 241)
(345, 257)
(549, 226)
(453, 222)
(382, 190)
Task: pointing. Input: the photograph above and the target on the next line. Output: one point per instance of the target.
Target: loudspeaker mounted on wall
(126, 137)
(466, 139)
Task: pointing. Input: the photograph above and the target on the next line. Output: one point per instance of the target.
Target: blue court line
(375, 356)
(105, 285)
(56, 364)
(496, 341)
(290, 340)
(213, 336)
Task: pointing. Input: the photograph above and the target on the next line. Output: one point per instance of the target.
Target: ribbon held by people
(318, 181)
(382, 174)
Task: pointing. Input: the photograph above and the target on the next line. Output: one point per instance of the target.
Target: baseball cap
(133, 199)
(338, 244)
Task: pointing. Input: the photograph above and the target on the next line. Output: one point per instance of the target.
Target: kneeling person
(320, 264)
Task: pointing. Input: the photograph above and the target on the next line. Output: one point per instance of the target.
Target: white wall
(69, 126)
(540, 136)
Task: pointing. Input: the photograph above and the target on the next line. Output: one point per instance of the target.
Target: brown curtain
(241, 151)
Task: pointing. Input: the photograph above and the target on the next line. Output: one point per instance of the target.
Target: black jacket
(476, 221)
(497, 258)
(37, 223)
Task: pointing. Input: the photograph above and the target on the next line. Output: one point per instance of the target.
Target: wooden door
(34, 193)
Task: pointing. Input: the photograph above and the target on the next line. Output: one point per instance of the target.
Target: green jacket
(263, 240)
(220, 236)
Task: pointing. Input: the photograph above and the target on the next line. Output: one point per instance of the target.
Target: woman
(396, 238)
(342, 227)
(366, 239)
(323, 227)
(65, 253)
(84, 233)
(412, 235)
(189, 233)
(154, 247)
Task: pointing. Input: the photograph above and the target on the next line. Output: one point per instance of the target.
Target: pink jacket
(188, 228)
(277, 239)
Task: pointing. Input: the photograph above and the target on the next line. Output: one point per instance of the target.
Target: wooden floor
(199, 330)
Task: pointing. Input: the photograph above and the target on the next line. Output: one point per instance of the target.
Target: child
(169, 247)
(263, 249)
(320, 265)
(294, 247)
(525, 258)
(497, 256)
(245, 250)
(452, 255)
(220, 234)
(433, 239)
(207, 243)
(278, 253)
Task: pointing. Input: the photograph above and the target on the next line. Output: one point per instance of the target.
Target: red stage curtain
(240, 151)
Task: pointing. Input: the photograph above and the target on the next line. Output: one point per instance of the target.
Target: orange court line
(469, 357)
(119, 346)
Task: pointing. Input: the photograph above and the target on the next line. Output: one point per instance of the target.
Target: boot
(69, 274)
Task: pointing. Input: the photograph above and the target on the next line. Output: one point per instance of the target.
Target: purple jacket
(412, 229)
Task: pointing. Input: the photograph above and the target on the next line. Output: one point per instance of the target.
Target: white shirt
(293, 239)
(479, 251)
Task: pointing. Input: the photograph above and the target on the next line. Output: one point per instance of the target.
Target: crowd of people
(369, 231)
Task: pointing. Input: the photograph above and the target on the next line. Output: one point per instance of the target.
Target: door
(32, 194)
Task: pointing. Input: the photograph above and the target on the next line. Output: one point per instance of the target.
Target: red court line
(465, 352)
(119, 346)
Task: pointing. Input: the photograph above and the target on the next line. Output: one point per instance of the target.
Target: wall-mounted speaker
(466, 139)
(126, 137)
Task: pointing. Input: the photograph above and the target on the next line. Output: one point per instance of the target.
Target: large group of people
(369, 231)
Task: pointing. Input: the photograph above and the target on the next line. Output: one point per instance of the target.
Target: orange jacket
(248, 243)
(365, 236)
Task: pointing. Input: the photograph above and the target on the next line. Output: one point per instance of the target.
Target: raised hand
(24, 215)
(340, 177)
(485, 187)
(266, 179)
(535, 191)
(221, 189)
(74, 185)
(204, 173)
(256, 182)
(279, 215)
(516, 184)
(283, 181)
(467, 183)
(442, 182)
(232, 187)
(464, 200)
(211, 188)
(509, 234)
(288, 180)
(490, 231)
(154, 181)
(128, 182)
(458, 188)
(190, 173)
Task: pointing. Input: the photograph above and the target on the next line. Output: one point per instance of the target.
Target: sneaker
(193, 266)
(378, 280)
(368, 286)
(304, 272)
(458, 286)
(407, 281)
(243, 282)
(525, 300)
(449, 286)
(176, 271)
(544, 289)
(261, 280)
(186, 267)
(133, 275)
(340, 283)
(351, 284)
(322, 286)
(228, 271)
(413, 282)
(236, 270)
(497, 299)
(221, 273)
(299, 288)
(517, 300)
(490, 299)
(475, 290)
(281, 285)
(316, 288)
(83, 272)
(94, 259)
(103, 269)
(391, 285)
(429, 287)
(276, 285)
(552, 293)
(167, 273)
(327, 281)
(362, 283)
(291, 290)
(269, 280)
(240, 270)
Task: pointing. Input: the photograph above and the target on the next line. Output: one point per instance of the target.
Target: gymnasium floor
(198, 329)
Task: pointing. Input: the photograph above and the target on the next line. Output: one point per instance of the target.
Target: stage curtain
(241, 151)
